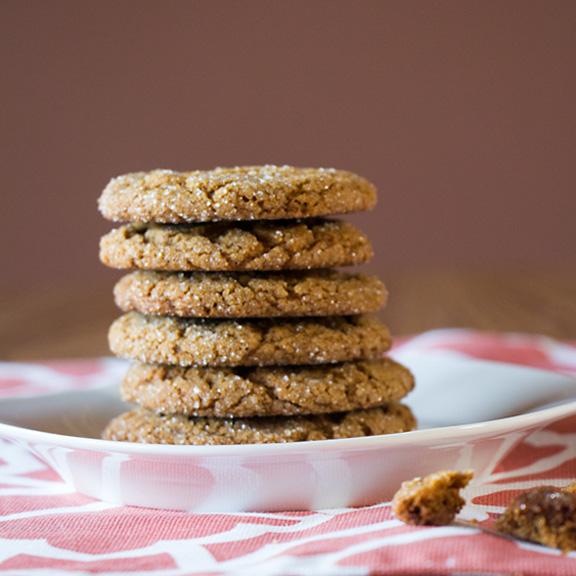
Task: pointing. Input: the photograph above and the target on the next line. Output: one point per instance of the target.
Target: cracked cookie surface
(247, 342)
(268, 390)
(241, 193)
(260, 245)
(148, 427)
(237, 295)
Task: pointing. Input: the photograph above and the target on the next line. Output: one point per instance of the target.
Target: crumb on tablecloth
(433, 500)
(544, 515)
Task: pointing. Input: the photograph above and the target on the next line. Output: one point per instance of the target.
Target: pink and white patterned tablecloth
(47, 528)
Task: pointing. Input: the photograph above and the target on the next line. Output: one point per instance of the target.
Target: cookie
(266, 390)
(543, 514)
(434, 500)
(245, 294)
(242, 193)
(247, 342)
(238, 246)
(143, 426)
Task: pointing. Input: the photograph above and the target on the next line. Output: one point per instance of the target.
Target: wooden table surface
(73, 322)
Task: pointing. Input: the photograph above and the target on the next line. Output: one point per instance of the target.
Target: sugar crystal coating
(140, 425)
(266, 391)
(234, 295)
(239, 246)
(247, 342)
(241, 193)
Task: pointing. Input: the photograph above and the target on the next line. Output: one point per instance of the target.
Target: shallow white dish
(470, 413)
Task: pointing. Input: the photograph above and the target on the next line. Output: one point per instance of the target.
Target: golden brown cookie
(545, 515)
(433, 500)
(247, 342)
(266, 390)
(242, 193)
(142, 426)
(237, 246)
(243, 294)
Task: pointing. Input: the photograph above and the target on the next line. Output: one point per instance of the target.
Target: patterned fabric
(46, 528)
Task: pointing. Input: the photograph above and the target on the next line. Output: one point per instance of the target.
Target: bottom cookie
(140, 425)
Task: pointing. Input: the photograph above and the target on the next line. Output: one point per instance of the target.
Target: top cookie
(241, 193)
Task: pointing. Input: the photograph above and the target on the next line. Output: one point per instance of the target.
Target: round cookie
(250, 295)
(242, 193)
(266, 390)
(238, 246)
(260, 342)
(148, 427)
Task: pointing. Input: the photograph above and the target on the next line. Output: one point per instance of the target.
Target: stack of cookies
(240, 328)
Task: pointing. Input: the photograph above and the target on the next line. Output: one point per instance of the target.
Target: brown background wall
(462, 113)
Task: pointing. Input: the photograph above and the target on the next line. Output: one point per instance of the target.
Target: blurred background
(462, 113)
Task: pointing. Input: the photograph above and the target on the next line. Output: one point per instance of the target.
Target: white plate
(470, 412)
